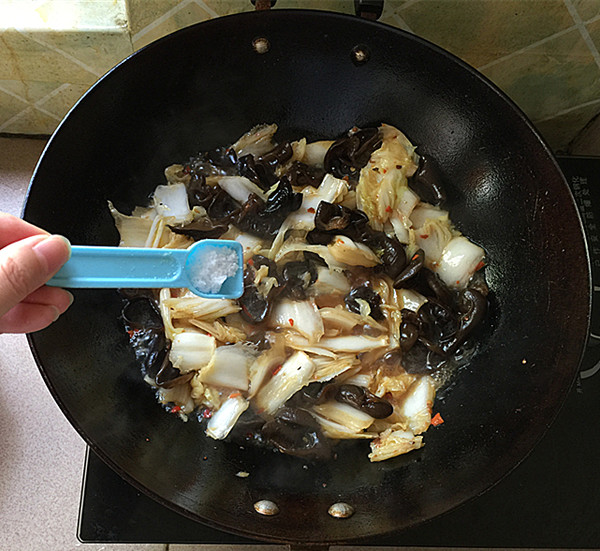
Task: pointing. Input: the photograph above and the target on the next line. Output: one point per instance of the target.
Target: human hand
(29, 257)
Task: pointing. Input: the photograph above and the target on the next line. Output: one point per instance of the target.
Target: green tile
(29, 121)
(28, 90)
(587, 9)
(561, 130)
(144, 12)
(178, 19)
(594, 31)
(551, 77)
(481, 31)
(10, 106)
(95, 50)
(23, 58)
(62, 99)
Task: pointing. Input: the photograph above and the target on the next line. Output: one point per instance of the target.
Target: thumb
(27, 264)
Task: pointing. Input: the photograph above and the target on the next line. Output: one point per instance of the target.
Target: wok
(203, 87)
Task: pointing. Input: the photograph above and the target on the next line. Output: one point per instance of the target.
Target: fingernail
(71, 298)
(53, 252)
(56, 313)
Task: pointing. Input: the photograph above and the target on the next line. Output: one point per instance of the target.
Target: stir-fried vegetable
(360, 295)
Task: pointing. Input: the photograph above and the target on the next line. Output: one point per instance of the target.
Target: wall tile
(62, 99)
(28, 91)
(25, 58)
(26, 120)
(143, 12)
(481, 31)
(587, 9)
(187, 13)
(551, 77)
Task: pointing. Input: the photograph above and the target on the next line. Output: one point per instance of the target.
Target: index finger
(14, 229)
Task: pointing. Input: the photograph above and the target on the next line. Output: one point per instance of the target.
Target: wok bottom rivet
(266, 507)
(341, 510)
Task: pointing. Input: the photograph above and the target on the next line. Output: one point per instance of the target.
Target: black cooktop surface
(551, 500)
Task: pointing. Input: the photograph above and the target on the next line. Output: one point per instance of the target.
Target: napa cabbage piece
(133, 230)
(433, 237)
(392, 443)
(225, 418)
(336, 430)
(257, 141)
(192, 306)
(299, 315)
(350, 417)
(171, 202)
(230, 367)
(266, 363)
(384, 179)
(314, 153)
(240, 188)
(329, 282)
(345, 251)
(413, 410)
(459, 262)
(192, 351)
(327, 368)
(180, 395)
(295, 373)
(354, 343)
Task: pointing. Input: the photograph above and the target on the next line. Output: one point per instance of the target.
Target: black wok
(205, 86)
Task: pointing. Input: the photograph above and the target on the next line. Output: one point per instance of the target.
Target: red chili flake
(458, 282)
(310, 209)
(384, 170)
(388, 209)
(277, 369)
(175, 409)
(437, 420)
(251, 262)
(235, 394)
(186, 169)
(480, 265)
(207, 413)
(346, 178)
(415, 256)
(424, 236)
(291, 321)
(133, 332)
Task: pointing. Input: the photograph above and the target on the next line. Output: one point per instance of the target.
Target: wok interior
(205, 86)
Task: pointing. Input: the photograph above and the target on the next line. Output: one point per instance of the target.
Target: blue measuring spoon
(135, 268)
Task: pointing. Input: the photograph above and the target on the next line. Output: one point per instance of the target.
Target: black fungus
(427, 182)
(313, 393)
(390, 252)
(333, 219)
(411, 270)
(264, 219)
(278, 156)
(303, 175)
(367, 294)
(254, 305)
(204, 228)
(439, 326)
(261, 174)
(347, 155)
(360, 398)
(298, 276)
(295, 432)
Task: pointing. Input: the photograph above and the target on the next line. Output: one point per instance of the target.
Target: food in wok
(360, 296)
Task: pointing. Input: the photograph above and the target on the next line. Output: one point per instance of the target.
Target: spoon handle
(122, 267)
